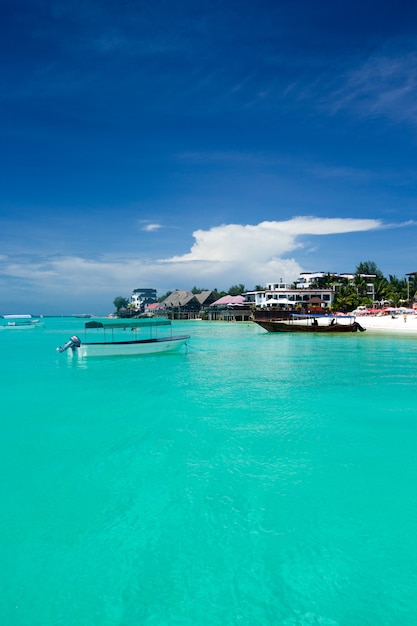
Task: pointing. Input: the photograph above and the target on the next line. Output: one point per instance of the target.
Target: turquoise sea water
(252, 479)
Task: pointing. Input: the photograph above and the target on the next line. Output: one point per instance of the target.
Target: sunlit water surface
(251, 479)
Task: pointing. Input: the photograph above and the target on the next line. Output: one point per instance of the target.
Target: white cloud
(265, 241)
(149, 228)
(220, 257)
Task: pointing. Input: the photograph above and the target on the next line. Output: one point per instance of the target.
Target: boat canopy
(126, 323)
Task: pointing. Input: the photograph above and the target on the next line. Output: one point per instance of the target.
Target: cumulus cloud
(221, 256)
(265, 241)
(253, 254)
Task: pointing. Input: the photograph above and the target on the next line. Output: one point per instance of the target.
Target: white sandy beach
(387, 323)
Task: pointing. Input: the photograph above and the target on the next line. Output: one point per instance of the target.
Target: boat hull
(128, 348)
(298, 327)
(21, 325)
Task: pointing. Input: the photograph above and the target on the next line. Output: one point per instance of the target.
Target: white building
(306, 279)
(141, 297)
(282, 294)
(303, 292)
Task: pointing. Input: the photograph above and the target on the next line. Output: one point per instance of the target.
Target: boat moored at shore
(310, 323)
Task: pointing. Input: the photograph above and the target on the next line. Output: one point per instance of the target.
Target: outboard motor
(73, 342)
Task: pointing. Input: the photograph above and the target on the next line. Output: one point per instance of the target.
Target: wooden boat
(299, 323)
(120, 337)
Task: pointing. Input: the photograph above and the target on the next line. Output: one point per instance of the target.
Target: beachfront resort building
(181, 304)
(311, 289)
(305, 292)
(288, 297)
(188, 305)
(142, 297)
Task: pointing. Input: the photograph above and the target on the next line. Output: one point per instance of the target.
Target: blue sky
(178, 144)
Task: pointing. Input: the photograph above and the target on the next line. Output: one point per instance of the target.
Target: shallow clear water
(252, 479)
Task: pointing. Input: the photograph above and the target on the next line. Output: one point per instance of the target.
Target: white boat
(19, 322)
(120, 337)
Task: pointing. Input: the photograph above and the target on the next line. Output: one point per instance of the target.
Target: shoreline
(386, 323)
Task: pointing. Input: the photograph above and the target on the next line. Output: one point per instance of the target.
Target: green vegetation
(368, 267)
(168, 293)
(120, 303)
(236, 290)
(369, 286)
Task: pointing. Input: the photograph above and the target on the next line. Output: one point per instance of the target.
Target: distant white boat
(120, 337)
(19, 322)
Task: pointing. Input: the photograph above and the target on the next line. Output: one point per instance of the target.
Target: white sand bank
(386, 323)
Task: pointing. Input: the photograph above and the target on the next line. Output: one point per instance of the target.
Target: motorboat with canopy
(20, 322)
(124, 337)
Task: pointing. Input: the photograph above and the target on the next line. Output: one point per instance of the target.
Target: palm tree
(324, 282)
(412, 288)
(398, 290)
(381, 289)
(346, 299)
(361, 286)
